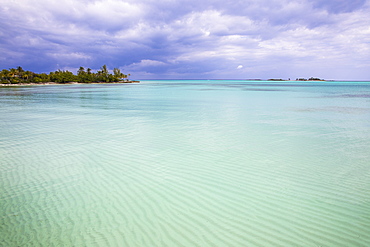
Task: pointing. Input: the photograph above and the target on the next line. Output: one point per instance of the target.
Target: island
(310, 79)
(299, 79)
(19, 76)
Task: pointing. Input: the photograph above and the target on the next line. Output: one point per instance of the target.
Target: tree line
(19, 75)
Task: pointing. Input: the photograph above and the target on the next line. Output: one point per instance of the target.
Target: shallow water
(186, 163)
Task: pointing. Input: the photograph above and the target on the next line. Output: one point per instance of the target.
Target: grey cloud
(339, 6)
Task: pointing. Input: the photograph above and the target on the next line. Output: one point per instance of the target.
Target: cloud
(239, 67)
(185, 39)
(339, 6)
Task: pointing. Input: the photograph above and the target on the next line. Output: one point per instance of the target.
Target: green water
(186, 163)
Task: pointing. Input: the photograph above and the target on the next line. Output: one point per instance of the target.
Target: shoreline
(56, 83)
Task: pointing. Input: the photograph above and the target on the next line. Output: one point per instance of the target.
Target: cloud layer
(190, 39)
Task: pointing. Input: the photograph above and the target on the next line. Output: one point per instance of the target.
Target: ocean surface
(186, 163)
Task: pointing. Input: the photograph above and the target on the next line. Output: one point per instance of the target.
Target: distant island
(299, 79)
(19, 76)
(310, 79)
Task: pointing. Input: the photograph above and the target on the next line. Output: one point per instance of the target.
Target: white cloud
(69, 56)
(148, 62)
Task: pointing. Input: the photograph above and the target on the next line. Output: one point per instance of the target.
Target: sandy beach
(55, 83)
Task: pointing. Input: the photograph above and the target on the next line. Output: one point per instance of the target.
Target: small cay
(19, 76)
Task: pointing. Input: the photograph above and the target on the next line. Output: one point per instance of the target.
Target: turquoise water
(186, 163)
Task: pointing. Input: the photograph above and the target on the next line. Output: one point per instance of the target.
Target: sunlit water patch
(186, 163)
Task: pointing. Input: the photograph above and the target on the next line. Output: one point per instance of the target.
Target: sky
(192, 39)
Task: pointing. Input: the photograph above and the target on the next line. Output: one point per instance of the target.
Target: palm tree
(20, 72)
(104, 73)
(4, 75)
(13, 72)
(104, 69)
(81, 71)
(20, 69)
(28, 75)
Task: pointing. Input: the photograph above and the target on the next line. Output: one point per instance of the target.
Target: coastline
(56, 83)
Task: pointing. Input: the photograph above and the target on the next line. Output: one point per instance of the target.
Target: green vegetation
(310, 79)
(315, 79)
(276, 80)
(19, 76)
